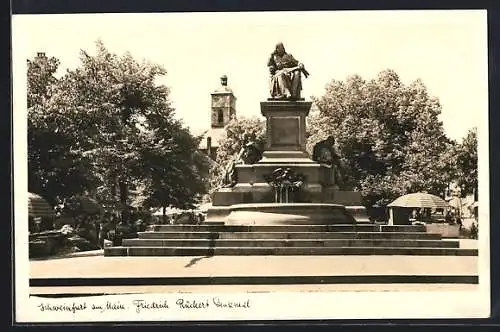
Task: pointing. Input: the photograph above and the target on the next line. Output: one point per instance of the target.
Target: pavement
(230, 266)
(92, 273)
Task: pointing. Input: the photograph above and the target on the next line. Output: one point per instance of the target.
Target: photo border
(34, 6)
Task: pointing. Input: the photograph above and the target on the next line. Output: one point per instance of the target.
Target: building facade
(223, 109)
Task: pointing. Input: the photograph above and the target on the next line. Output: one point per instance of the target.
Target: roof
(216, 134)
(224, 89)
(419, 200)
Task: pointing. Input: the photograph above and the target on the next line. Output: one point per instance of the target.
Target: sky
(446, 49)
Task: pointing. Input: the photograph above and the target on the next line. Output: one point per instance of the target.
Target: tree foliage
(389, 135)
(124, 132)
(465, 162)
(54, 170)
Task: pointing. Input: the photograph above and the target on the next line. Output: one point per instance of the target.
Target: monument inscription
(285, 130)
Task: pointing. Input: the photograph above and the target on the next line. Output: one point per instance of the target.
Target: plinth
(285, 129)
(285, 148)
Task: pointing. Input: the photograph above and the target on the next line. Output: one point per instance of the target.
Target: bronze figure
(324, 152)
(285, 73)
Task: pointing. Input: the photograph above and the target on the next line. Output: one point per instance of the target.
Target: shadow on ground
(195, 260)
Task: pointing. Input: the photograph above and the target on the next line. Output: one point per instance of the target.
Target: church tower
(222, 109)
(223, 105)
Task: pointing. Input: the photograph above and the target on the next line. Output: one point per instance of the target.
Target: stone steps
(289, 228)
(288, 235)
(285, 251)
(343, 239)
(278, 243)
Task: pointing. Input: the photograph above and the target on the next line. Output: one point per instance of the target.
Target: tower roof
(223, 88)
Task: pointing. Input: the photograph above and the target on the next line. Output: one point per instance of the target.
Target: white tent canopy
(419, 200)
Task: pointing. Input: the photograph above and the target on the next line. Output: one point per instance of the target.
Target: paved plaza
(230, 266)
(291, 273)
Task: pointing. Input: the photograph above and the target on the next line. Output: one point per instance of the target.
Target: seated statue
(285, 74)
(250, 152)
(324, 152)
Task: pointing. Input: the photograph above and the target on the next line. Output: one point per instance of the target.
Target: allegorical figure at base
(285, 73)
(250, 153)
(230, 176)
(324, 152)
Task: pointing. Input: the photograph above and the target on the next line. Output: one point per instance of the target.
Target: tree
(180, 182)
(54, 171)
(232, 142)
(388, 133)
(465, 159)
(126, 130)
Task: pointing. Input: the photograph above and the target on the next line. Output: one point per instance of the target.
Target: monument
(284, 185)
(277, 200)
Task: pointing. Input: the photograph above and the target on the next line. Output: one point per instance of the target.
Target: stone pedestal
(286, 149)
(285, 129)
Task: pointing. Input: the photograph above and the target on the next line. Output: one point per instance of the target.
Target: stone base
(228, 196)
(344, 197)
(252, 186)
(257, 173)
(285, 157)
(445, 230)
(287, 214)
(262, 192)
(285, 148)
(253, 189)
